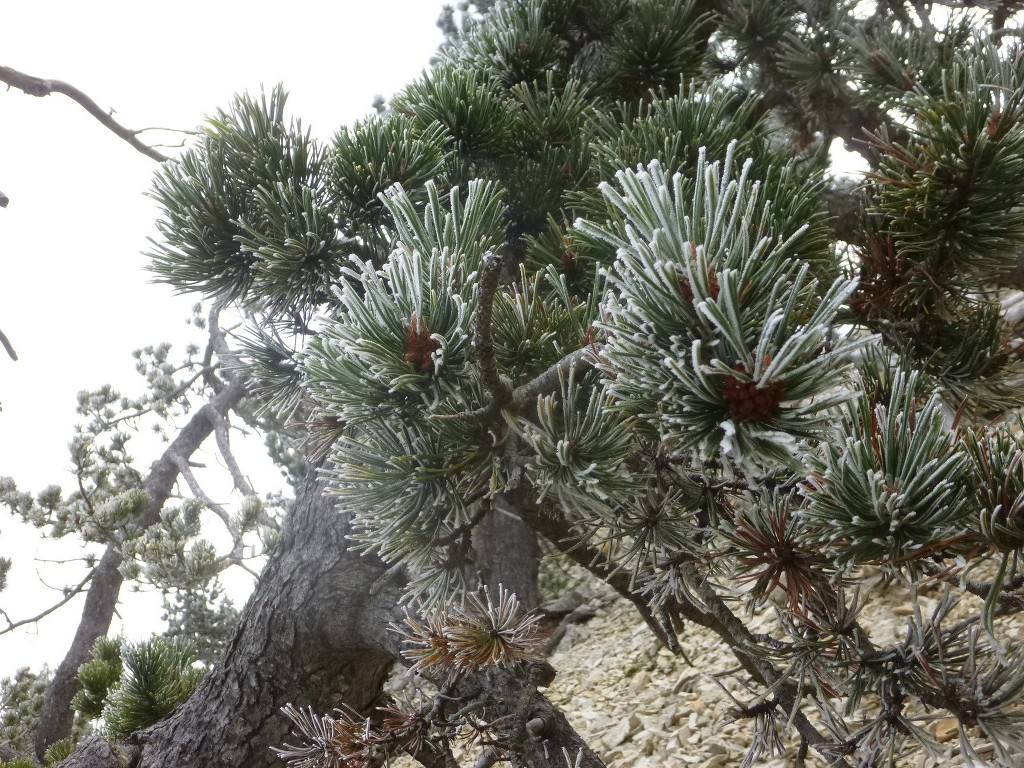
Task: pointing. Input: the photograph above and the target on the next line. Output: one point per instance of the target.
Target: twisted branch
(483, 343)
(37, 86)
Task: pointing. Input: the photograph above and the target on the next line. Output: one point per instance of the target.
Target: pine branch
(550, 526)
(102, 596)
(236, 555)
(715, 614)
(37, 86)
(525, 396)
(3, 338)
(523, 399)
(739, 638)
(1010, 601)
(483, 342)
(205, 372)
(69, 595)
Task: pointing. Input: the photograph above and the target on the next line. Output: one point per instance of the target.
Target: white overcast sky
(75, 298)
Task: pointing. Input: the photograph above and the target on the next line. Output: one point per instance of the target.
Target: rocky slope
(641, 707)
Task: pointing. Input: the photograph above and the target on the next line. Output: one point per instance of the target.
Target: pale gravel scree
(640, 707)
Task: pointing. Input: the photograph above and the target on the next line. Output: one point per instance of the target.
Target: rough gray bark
(56, 718)
(296, 642)
(507, 553)
(314, 633)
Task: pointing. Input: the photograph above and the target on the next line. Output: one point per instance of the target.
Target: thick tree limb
(483, 343)
(313, 634)
(37, 86)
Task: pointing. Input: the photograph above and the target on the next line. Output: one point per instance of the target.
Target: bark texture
(507, 553)
(296, 642)
(315, 633)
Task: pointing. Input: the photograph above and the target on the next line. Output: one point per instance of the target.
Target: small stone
(715, 762)
(646, 741)
(669, 716)
(639, 682)
(947, 729)
(716, 748)
(684, 683)
(617, 734)
(563, 606)
(612, 756)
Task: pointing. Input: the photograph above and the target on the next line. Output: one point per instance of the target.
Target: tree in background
(132, 516)
(151, 530)
(590, 273)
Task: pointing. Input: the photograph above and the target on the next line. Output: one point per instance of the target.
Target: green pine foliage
(98, 677)
(130, 686)
(58, 751)
(158, 676)
(594, 267)
(21, 702)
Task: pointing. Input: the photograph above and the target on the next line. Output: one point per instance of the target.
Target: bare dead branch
(221, 428)
(185, 469)
(3, 337)
(68, 596)
(237, 554)
(37, 86)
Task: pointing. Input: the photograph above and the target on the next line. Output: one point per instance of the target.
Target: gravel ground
(641, 707)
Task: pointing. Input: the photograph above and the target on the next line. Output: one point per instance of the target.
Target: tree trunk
(506, 553)
(297, 641)
(314, 633)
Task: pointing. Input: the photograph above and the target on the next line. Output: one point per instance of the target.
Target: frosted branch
(37, 86)
(482, 340)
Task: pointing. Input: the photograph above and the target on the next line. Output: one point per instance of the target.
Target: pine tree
(593, 271)
(129, 528)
